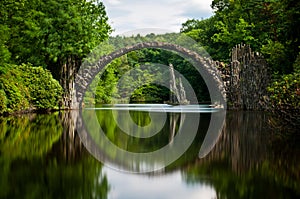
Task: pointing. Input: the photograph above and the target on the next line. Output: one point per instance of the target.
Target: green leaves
(285, 97)
(4, 37)
(241, 33)
(275, 54)
(13, 91)
(54, 34)
(23, 87)
(45, 92)
(254, 22)
(46, 33)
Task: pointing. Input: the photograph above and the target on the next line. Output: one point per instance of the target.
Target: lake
(44, 156)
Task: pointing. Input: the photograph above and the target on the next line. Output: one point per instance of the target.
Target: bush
(3, 101)
(44, 91)
(285, 97)
(15, 92)
(23, 87)
(276, 55)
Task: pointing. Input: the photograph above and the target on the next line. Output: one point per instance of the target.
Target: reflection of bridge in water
(183, 125)
(244, 144)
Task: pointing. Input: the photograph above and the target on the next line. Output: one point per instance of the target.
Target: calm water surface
(42, 156)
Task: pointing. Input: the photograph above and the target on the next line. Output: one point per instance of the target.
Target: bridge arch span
(205, 66)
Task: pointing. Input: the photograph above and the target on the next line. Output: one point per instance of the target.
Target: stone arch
(205, 66)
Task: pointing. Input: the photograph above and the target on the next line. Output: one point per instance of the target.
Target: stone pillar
(246, 79)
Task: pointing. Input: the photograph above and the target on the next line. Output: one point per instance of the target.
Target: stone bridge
(205, 66)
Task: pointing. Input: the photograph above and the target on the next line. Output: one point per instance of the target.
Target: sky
(136, 186)
(130, 15)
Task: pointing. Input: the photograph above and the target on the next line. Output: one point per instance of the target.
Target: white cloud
(128, 15)
(114, 2)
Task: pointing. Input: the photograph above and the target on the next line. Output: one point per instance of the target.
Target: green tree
(56, 34)
(271, 27)
(4, 52)
(203, 32)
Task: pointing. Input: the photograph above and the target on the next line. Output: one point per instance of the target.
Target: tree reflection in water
(249, 161)
(40, 158)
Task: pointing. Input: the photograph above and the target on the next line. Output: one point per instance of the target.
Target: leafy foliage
(285, 92)
(285, 97)
(23, 87)
(44, 91)
(54, 34)
(150, 93)
(15, 92)
(48, 32)
(271, 27)
(276, 54)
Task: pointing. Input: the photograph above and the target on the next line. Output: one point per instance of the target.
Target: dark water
(42, 156)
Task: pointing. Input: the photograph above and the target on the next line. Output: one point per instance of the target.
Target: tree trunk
(67, 81)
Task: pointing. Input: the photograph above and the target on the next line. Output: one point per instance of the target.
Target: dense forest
(43, 44)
